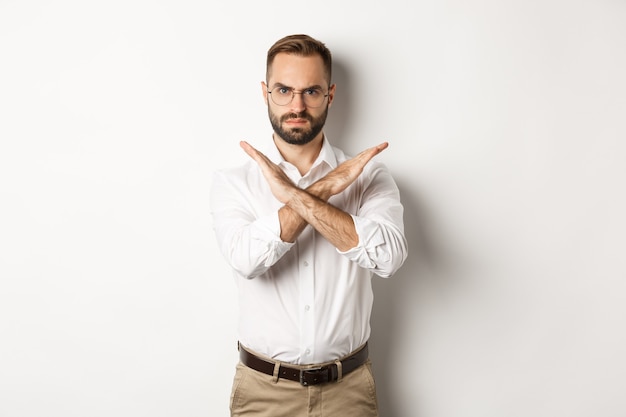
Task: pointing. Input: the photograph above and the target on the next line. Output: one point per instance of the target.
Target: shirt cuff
(370, 236)
(268, 229)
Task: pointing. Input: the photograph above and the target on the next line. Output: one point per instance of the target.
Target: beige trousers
(255, 394)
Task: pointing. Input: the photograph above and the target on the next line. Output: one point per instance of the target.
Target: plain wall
(506, 123)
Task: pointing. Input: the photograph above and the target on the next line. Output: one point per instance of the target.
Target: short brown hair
(302, 45)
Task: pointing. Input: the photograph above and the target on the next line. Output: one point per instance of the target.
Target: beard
(298, 136)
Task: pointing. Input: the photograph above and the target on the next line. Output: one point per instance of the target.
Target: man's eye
(312, 92)
(283, 90)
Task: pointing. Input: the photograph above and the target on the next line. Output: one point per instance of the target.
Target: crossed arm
(310, 206)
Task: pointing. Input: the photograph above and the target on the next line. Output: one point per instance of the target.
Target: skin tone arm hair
(310, 206)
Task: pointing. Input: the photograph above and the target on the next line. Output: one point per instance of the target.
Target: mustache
(302, 115)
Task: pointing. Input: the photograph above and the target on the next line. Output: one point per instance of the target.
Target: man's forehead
(289, 69)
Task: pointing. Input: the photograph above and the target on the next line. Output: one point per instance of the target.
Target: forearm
(292, 223)
(334, 224)
(310, 206)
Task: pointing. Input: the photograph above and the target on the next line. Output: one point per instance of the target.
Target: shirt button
(307, 307)
(307, 352)
(306, 263)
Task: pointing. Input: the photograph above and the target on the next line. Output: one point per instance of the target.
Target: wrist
(320, 190)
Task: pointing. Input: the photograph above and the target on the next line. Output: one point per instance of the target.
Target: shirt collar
(326, 155)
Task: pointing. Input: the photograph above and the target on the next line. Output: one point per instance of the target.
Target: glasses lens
(312, 97)
(282, 96)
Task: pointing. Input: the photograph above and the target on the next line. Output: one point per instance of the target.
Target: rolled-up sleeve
(379, 223)
(249, 242)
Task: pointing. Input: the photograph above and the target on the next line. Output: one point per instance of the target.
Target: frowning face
(300, 86)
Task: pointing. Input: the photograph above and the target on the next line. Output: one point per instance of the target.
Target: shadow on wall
(394, 299)
(340, 114)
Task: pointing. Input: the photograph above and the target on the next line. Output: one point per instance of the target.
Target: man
(304, 228)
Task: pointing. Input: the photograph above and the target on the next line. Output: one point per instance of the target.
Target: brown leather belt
(306, 376)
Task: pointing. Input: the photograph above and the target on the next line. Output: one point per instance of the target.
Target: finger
(264, 163)
(379, 148)
(382, 146)
(373, 151)
(253, 152)
(249, 149)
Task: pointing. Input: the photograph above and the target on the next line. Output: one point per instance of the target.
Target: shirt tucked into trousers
(305, 302)
(255, 394)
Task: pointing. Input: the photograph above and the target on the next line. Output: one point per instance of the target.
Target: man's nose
(297, 103)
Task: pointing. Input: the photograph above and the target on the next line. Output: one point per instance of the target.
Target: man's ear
(331, 93)
(264, 88)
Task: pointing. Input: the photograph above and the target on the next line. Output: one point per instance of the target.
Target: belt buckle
(309, 371)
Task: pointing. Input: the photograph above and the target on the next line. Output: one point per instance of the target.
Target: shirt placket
(306, 272)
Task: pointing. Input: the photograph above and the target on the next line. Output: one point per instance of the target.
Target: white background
(506, 123)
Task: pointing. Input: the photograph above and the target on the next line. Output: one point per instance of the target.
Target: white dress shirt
(306, 302)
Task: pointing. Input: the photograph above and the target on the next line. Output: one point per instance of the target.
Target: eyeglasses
(312, 97)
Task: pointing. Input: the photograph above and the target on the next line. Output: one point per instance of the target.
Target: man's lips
(296, 121)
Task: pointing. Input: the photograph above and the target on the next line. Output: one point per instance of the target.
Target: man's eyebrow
(281, 85)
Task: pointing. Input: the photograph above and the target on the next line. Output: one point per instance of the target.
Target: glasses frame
(293, 94)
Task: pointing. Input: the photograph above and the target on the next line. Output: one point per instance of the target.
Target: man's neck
(301, 156)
